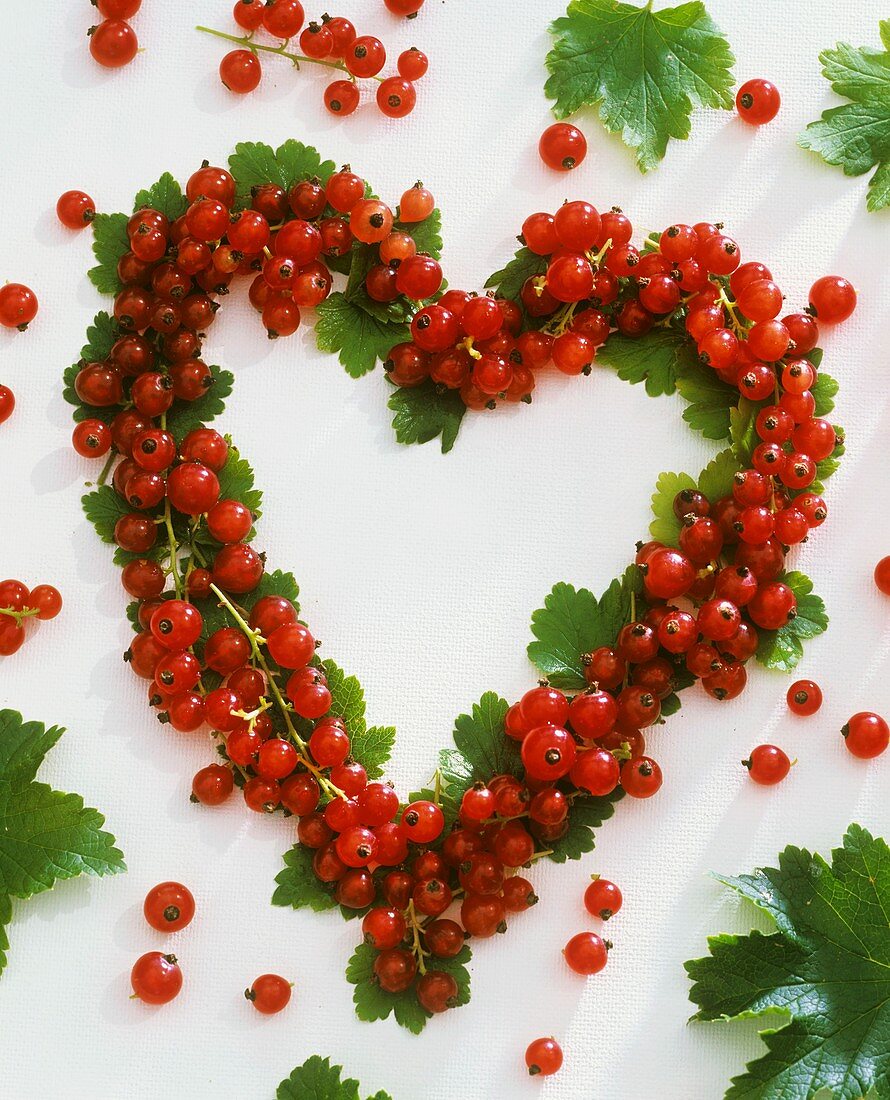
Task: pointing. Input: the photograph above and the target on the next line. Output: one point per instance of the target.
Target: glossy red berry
(113, 43)
(602, 898)
(241, 72)
(866, 735)
(562, 146)
(156, 978)
(804, 697)
(767, 765)
(832, 299)
(269, 993)
(75, 209)
(169, 907)
(587, 953)
(18, 306)
(758, 101)
(543, 1057)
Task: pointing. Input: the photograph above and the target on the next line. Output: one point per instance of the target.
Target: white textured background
(418, 571)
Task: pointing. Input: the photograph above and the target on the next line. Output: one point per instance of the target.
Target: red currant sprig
(333, 43)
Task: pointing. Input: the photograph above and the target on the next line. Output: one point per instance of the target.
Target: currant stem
(25, 613)
(296, 58)
(251, 635)
(417, 947)
(106, 469)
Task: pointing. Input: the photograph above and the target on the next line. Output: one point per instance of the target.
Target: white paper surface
(418, 571)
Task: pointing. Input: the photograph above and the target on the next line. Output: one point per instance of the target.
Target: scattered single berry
(758, 101)
(804, 698)
(269, 994)
(169, 907)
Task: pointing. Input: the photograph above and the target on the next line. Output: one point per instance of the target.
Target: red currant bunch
(332, 42)
(18, 606)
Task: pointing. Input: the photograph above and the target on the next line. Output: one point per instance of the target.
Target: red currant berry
(757, 101)
(113, 43)
(866, 735)
(169, 907)
(543, 1057)
(832, 299)
(75, 209)
(804, 698)
(562, 146)
(270, 993)
(241, 72)
(767, 765)
(587, 953)
(156, 978)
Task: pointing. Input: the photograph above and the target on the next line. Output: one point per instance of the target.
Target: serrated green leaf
(573, 622)
(185, 416)
(783, 648)
(743, 429)
(659, 358)
(666, 527)
(317, 1079)
(236, 482)
(427, 234)
(422, 414)
(508, 282)
(482, 748)
(587, 814)
(45, 835)
(254, 163)
(716, 479)
(358, 337)
(298, 885)
(101, 337)
(645, 70)
(103, 507)
(373, 747)
(825, 972)
(856, 135)
(110, 242)
(710, 401)
(824, 391)
(164, 196)
(370, 747)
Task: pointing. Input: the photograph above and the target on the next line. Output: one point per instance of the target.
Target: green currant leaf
(45, 835)
(586, 815)
(659, 358)
(427, 234)
(359, 337)
(422, 413)
(784, 648)
(824, 971)
(716, 479)
(370, 747)
(110, 242)
(743, 429)
(856, 135)
(185, 416)
(482, 748)
(645, 70)
(573, 622)
(253, 164)
(298, 886)
(164, 196)
(509, 281)
(710, 401)
(824, 391)
(103, 508)
(665, 527)
(236, 482)
(317, 1079)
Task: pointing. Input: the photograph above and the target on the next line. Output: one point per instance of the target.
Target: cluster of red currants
(333, 42)
(156, 977)
(18, 604)
(113, 42)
